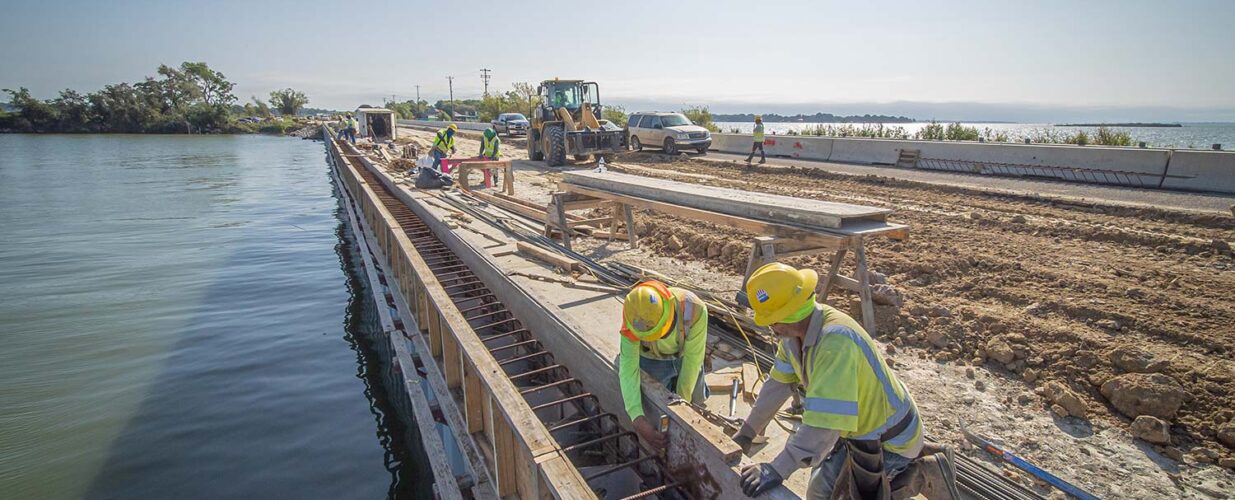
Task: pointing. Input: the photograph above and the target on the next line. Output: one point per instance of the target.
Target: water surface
(178, 321)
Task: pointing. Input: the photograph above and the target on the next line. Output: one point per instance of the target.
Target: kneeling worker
(664, 333)
(850, 392)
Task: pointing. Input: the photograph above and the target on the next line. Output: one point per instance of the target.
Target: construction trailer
(376, 123)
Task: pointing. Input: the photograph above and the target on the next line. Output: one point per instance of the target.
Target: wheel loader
(567, 122)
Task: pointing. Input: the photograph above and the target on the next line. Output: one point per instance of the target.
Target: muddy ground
(1048, 324)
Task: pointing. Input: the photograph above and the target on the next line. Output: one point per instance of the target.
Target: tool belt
(863, 474)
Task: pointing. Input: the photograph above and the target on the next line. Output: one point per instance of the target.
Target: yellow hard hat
(776, 290)
(648, 312)
(758, 118)
(453, 127)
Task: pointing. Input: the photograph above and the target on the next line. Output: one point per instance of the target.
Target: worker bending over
(443, 145)
(489, 145)
(664, 332)
(850, 392)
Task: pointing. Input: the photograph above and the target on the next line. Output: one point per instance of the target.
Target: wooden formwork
(521, 458)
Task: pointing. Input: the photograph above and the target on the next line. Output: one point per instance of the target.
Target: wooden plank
(473, 403)
(505, 452)
(452, 364)
(562, 262)
(759, 206)
(744, 224)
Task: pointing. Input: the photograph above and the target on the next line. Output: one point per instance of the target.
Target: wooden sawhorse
(560, 203)
(781, 240)
(465, 167)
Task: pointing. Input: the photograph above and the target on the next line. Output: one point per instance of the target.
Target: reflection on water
(179, 321)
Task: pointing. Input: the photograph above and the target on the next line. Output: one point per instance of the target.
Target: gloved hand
(656, 439)
(759, 478)
(744, 441)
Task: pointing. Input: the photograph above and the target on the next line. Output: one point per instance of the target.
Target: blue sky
(994, 60)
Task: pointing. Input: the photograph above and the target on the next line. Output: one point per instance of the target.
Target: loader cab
(568, 94)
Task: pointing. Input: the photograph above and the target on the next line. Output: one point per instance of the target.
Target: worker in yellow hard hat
(664, 333)
(851, 394)
(443, 144)
(758, 144)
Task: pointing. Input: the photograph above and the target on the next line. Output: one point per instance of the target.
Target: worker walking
(853, 401)
(664, 333)
(443, 145)
(758, 145)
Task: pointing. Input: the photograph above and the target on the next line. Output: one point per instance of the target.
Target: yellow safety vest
(488, 148)
(443, 142)
(758, 132)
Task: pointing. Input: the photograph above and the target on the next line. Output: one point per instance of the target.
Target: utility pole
(484, 76)
(451, 82)
(418, 95)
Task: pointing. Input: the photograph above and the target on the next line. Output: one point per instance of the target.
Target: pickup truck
(511, 124)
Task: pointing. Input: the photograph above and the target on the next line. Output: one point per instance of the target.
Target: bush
(699, 115)
(615, 114)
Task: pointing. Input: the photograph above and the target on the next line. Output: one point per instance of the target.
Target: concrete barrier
(1212, 171)
(441, 124)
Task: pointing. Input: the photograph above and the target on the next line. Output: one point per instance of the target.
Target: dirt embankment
(1109, 313)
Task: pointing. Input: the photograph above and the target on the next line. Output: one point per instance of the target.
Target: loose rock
(1061, 395)
(1134, 360)
(1226, 434)
(1151, 429)
(999, 350)
(969, 373)
(1136, 394)
(979, 385)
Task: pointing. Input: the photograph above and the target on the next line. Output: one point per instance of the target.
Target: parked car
(671, 132)
(510, 124)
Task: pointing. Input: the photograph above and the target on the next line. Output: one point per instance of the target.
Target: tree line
(815, 118)
(190, 98)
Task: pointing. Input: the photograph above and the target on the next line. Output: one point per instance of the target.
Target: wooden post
(435, 331)
(825, 286)
(559, 207)
(616, 212)
(762, 251)
(864, 288)
(505, 456)
(630, 225)
(473, 399)
(508, 178)
(453, 365)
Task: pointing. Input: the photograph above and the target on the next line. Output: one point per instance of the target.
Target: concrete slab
(760, 206)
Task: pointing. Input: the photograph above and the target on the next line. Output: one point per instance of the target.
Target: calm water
(1190, 135)
(177, 321)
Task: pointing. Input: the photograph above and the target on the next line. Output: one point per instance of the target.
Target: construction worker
(352, 127)
(850, 392)
(664, 333)
(758, 145)
(489, 145)
(443, 145)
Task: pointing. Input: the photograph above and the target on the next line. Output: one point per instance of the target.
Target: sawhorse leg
(864, 287)
(630, 225)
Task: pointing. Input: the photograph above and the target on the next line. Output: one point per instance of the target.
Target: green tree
(699, 115)
(615, 114)
(528, 99)
(33, 115)
(288, 101)
(258, 108)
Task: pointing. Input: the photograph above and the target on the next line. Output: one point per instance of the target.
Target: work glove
(744, 441)
(759, 478)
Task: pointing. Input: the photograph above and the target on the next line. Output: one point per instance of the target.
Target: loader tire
(533, 139)
(555, 145)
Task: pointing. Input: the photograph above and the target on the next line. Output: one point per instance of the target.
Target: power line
(484, 76)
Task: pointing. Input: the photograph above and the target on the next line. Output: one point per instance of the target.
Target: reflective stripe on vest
(442, 142)
(759, 133)
(901, 405)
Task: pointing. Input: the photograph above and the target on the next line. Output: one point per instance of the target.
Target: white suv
(671, 132)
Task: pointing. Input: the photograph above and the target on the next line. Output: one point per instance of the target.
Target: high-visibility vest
(855, 393)
(488, 147)
(758, 132)
(352, 123)
(443, 142)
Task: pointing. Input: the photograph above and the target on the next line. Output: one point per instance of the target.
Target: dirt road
(1048, 323)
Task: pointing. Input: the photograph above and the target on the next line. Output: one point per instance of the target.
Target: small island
(1134, 124)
